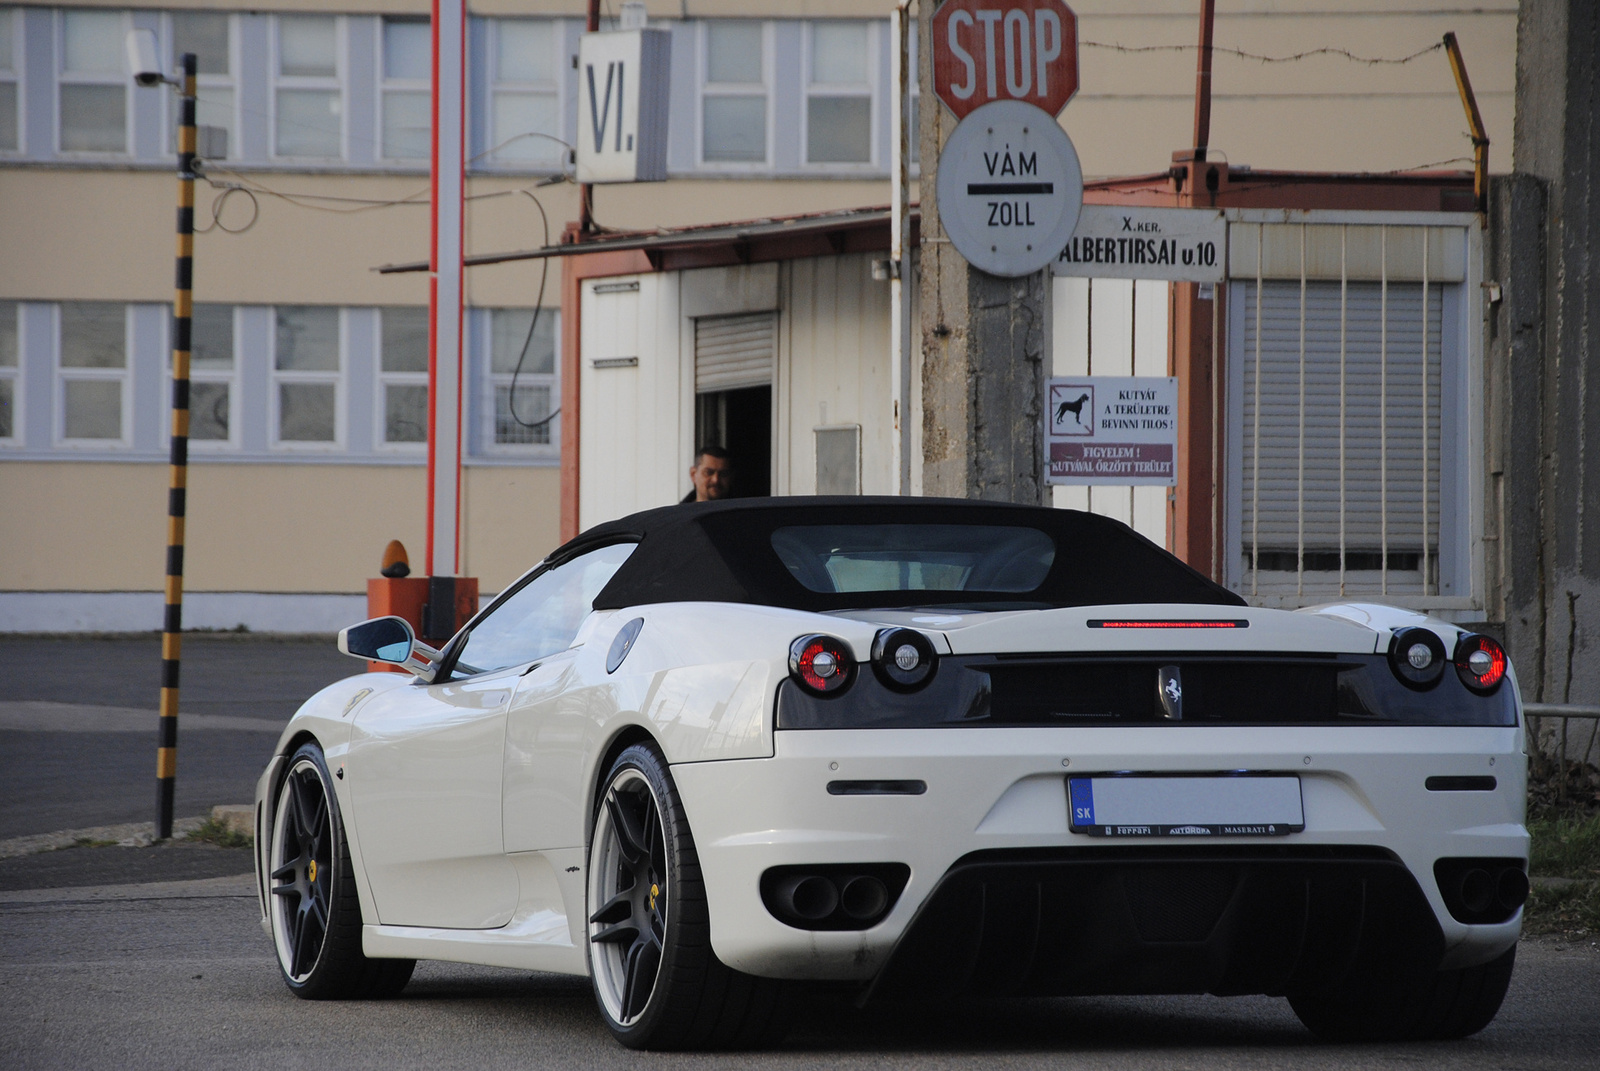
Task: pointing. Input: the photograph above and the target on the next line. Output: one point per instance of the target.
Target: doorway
(734, 358)
(739, 421)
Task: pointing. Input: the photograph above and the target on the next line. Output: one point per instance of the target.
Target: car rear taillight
(1480, 662)
(1417, 657)
(822, 665)
(903, 658)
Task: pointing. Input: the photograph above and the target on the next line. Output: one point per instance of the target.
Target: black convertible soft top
(723, 552)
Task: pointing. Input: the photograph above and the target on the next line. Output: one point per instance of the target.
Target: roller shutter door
(733, 352)
(1291, 484)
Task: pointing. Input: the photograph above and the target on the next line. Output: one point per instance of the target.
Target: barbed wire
(1371, 61)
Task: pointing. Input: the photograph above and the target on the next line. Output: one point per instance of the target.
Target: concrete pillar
(1553, 486)
(985, 345)
(1514, 397)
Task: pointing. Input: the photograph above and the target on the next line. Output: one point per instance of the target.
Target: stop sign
(988, 50)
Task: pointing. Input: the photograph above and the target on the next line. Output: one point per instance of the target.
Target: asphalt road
(179, 975)
(78, 723)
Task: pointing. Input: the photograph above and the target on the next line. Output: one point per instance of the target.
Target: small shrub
(212, 831)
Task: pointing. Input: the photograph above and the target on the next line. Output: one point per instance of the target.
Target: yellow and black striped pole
(182, 311)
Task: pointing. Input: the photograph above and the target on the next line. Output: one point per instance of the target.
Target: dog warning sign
(1112, 430)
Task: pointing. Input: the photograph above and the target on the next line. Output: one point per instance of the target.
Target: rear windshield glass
(915, 557)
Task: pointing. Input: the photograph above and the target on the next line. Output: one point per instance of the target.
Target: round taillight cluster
(1417, 657)
(903, 658)
(822, 665)
(1480, 662)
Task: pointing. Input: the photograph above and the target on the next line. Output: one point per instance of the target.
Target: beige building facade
(310, 384)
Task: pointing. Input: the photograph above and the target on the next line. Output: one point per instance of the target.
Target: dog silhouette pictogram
(1075, 408)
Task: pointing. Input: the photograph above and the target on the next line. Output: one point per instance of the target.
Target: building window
(309, 97)
(306, 365)
(92, 91)
(839, 93)
(515, 339)
(209, 35)
(211, 373)
(733, 101)
(93, 364)
(403, 374)
(9, 66)
(526, 101)
(10, 369)
(406, 97)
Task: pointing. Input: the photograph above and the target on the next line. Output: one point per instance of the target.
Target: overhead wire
(1371, 61)
(527, 342)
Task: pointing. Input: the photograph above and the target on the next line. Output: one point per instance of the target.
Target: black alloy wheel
(657, 981)
(631, 922)
(314, 910)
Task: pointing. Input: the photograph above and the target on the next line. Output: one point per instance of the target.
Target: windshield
(915, 557)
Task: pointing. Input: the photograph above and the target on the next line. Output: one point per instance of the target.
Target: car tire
(314, 911)
(1439, 1006)
(656, 979)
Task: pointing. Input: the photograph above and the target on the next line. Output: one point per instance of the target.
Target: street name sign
(989, 50)
(1117, 242)
(1112, 430)
(1009, 188)
(623, 77)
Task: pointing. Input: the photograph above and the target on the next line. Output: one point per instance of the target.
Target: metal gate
(1351, 402)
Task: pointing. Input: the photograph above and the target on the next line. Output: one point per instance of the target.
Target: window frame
(16, 375)
(493, 381)
(229, 81)
(384, 85)
(277, 377)
(64, 77)
(338, 82)
(382, 380)
(14, 75)
(843, 91)
(62, 375)
(704, 88)
(495, 86)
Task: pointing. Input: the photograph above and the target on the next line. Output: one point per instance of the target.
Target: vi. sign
(989, 50)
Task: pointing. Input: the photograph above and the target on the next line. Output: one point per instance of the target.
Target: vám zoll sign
(1112, 430)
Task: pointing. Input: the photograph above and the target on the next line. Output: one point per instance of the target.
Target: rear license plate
(1204, 806)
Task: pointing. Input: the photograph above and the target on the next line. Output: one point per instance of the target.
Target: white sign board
(622, 106)
(1009, 188)
(1112, 430)
(1116, 242)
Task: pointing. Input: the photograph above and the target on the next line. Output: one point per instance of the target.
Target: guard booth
(1330, 384)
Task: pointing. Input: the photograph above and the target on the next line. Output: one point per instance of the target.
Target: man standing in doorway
(711, 474)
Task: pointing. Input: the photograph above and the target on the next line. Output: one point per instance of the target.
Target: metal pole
(899, 254)
(445, 298)
(1202, 80)
(182, 310)
(1480, 136)
(585, 190)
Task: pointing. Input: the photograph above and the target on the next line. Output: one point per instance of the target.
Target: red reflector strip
(1099, 623)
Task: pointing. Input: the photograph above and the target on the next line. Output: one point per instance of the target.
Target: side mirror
(389, 639)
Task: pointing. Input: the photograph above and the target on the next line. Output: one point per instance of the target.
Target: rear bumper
(1159, 920)
(993, 793)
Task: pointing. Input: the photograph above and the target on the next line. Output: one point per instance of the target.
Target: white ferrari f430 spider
(927, 748)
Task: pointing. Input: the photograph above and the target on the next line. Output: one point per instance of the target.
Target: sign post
(1005, 198)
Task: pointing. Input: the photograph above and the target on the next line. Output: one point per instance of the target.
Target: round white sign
(1009, 188)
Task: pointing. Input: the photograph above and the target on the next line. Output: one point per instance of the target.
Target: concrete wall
(264, 528)
(1549, 401)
